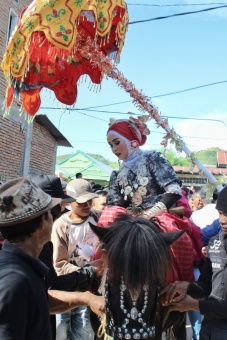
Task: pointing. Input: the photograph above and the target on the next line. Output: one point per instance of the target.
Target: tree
(174, 158)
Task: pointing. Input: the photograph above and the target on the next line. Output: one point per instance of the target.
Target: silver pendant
(134, 313)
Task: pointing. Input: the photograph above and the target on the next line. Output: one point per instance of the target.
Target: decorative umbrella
(42, 51)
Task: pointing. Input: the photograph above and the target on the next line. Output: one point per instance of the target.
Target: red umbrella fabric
(42, 51)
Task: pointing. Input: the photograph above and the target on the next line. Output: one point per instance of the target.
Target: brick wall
(12, 139)
(11, 148)
(5, 6)
(42, 150)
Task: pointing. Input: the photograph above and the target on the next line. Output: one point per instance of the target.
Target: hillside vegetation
(207, 157)
(100, 158)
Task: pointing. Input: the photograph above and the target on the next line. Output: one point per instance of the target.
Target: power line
(161, 133)
(173, 117)
(178, 5)
(129, 101)
(160, 95)
(190, 89)
(127, 113)
(177, 14)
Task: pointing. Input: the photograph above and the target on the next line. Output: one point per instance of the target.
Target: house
(91, 168)
(222, 159)
(195, 177)
(28, 147)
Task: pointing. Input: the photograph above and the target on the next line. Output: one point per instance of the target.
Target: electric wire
(152, 97)
(178, 5)
(176, 15)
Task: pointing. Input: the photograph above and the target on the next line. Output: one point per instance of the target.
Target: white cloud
(202, 134)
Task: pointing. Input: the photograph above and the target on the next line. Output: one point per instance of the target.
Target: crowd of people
(50, 258)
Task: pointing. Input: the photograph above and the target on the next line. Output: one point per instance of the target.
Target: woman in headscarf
(146, 182)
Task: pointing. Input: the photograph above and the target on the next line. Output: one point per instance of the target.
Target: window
(194, 180)
(13, 19)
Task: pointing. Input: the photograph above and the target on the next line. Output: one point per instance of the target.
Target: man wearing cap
(26, 224)
(74, 246)
(74, 281)
(209, 294)
(78, 280)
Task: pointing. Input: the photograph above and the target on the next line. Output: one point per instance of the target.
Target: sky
(160, 57)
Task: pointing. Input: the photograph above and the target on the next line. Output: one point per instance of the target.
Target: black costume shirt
(24, 311)
(212, 283)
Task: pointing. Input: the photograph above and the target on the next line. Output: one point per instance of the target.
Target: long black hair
(137, 250)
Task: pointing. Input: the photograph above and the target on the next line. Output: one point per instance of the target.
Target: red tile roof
(222, 157)
(186, 170)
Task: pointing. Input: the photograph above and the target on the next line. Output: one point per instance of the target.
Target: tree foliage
(208, 156)
(174, 158)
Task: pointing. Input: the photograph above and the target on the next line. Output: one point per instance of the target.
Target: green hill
(208, 156)
(100, 158)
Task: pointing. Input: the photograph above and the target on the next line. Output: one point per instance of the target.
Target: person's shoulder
(63, 220)
(207, 210)
(114, 173)
(216, 239)
(95, 214)
(149, 155)
(208, 207)
(153, 154)
(13, 275)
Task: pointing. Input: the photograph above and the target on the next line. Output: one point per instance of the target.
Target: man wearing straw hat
(26, 225)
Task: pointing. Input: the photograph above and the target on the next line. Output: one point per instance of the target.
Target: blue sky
(159, 57)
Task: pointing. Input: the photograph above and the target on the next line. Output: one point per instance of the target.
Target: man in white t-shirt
(74, 246)
(206, 215)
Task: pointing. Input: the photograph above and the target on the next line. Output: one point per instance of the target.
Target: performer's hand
(185, 304)
(174, 292)
(145, 215)
(97, 304)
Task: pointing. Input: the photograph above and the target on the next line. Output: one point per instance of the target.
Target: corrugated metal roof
(58, 136)
(101, 165)
(90, 167)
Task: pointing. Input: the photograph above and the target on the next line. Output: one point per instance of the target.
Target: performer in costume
(145, 182)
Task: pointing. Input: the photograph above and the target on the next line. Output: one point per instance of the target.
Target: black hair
(216, 193)
(78, 174)
(56, 212)
(21, 231)
(96, 187)
(137, 250)
(101, 193)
